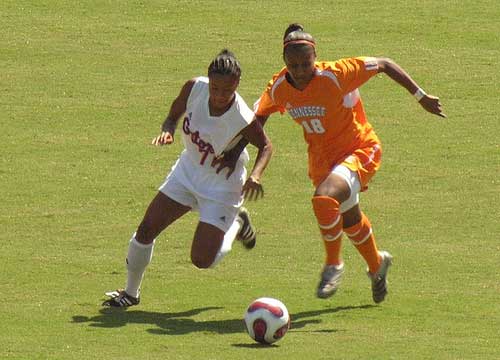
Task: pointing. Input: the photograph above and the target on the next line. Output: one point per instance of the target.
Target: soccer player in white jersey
(215, 119)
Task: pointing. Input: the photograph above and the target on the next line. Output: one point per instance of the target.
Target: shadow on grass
(180, 323)
(170, 323)
(297, 323)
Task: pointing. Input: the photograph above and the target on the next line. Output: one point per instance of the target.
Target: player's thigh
(161, 212)
(344, 185)
(207, 241)
(334, 186)
(173, 200)
(351, 177)
(216, 217)
(220, 213)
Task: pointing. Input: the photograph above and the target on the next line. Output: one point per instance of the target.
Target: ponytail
(225, 63)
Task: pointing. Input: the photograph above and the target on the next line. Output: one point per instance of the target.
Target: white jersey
(205, 138)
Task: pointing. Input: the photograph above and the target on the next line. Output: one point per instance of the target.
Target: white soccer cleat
(331, 278)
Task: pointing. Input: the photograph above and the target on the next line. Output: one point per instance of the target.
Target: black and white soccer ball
(267, 320)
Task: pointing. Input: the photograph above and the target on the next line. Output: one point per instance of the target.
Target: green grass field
(84, 86)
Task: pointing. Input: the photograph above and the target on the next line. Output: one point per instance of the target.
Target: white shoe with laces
(331, 278)
(379, 279)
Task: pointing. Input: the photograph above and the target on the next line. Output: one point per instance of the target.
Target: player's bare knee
(352, 216)
(145, 233)
(200, 261)
(201, 258)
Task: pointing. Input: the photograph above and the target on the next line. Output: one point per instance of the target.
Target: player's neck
(296, 85)
(216, 111)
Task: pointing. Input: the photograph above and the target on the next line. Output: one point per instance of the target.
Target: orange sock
(329, 219)
(362, 237)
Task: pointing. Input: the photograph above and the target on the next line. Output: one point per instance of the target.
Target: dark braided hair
(297, 39)
(225, 63)
(291, 28)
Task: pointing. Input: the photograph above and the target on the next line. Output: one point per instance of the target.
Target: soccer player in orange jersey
(344, 151)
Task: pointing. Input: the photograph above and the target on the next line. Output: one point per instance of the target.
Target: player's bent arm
(233, 155)
(255, 135)
(177, 108)
(399, 75)
(262, 119)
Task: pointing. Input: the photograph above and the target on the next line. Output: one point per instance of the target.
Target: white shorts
(215, 208)
(352, 179)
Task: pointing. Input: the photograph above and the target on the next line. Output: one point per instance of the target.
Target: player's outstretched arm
(177, 108)
(395, 72)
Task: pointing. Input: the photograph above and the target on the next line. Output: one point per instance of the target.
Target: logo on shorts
(223, 218)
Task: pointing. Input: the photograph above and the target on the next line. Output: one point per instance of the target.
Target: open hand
(432, 105)
(252, 190)
(166, 138)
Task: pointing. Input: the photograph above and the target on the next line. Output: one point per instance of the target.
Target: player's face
(221, 89)
(300, 65)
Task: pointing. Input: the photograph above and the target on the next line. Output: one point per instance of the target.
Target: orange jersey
(329, 110)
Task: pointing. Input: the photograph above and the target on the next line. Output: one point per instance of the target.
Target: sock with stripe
(362, 237)
(329, 220)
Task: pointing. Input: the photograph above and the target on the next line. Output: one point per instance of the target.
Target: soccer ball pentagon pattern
(267, 320)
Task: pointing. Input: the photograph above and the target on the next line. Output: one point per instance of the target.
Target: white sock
(138, 258)
(227, 243)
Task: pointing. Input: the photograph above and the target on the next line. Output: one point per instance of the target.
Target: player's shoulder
(196, 88)
(328, 70)
(349, 63)
(334, 66)
(201, 79)
(282, 72)
(243, 109)
(278, 76)
(277, 80)
(200, 82)
(324, 65)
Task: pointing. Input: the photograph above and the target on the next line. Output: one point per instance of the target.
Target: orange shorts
(365, 161)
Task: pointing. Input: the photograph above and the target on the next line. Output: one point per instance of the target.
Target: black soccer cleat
(247, 234)
(119, 298)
